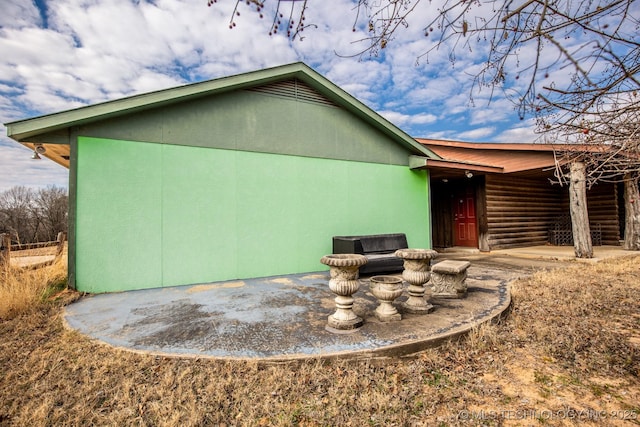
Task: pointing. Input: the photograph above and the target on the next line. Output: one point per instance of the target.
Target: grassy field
(567, 353)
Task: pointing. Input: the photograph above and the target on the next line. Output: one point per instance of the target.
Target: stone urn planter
(416, 273)
(344, 282)
(386, 289)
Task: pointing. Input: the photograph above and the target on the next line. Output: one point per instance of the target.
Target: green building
(239, 177)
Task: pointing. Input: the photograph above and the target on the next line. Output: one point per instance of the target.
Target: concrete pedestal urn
(344, 282)
(386, 289)
(416, 273)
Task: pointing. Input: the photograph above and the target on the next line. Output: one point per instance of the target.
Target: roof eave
(417, 162)
(519, 146)
(449, 164)
(22, 130)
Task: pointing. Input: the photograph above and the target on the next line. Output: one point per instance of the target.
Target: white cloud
(491, 112)
(87, 51)
(402, 120)
(447, 135)
(19, 169)
(476, 134)
(19, 13)
(365, 80)
(524, 133)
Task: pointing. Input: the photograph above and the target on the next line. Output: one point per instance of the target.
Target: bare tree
(579, 213)
(533, 46)
(288, 17)
(573, 65)
(632, 212)
(51, 204)
(594, 43)
(16, 214)
(33, 216)
(607, 142)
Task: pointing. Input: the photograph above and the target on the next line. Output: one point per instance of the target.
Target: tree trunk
(579, 214)
(632, 213)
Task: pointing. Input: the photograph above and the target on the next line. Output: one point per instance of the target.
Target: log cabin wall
(602, 205)
(517, 212)
(602, 202)
(520, 211)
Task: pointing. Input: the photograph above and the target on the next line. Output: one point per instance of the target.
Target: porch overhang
(59, 153)
(418, 162)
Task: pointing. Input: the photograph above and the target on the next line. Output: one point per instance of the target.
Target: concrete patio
(284, 318)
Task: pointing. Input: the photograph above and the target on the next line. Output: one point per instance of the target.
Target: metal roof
(490, 157)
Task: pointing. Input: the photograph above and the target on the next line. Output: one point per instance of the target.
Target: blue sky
(62, 54)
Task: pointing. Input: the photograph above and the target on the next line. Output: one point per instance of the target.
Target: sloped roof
(490, 157)
(29, 130)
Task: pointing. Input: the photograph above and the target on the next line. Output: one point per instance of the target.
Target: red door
(464, 215)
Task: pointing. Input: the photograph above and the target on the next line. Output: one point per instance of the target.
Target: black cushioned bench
(378, 248)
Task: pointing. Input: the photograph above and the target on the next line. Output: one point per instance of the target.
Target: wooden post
(481, 215)
(579, 214)
(62, 237)
(5, 250)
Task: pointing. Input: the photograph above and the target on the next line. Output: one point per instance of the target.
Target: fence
(38, 254)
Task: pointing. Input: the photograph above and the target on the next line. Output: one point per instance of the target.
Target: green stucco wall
(151, 215)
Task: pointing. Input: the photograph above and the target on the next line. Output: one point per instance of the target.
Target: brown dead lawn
(567, 353)
(22, 289)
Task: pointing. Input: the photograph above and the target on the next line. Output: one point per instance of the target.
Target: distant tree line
(33, 215)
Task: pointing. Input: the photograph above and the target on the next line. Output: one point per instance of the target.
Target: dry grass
(568, 349)
(22, 289)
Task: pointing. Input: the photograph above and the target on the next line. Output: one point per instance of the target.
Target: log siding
(520, 211)
(602, 204)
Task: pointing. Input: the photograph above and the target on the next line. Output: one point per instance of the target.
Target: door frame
(443, 188)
